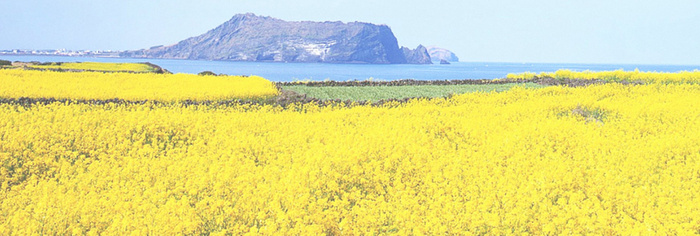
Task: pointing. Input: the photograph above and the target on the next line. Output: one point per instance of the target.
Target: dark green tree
(203, 73)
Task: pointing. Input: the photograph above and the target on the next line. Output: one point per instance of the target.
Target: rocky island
(440, 54)
(248, 37)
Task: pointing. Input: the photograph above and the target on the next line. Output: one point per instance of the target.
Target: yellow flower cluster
(127, 86)
(606, 159)
(99, 66)
(618, 75)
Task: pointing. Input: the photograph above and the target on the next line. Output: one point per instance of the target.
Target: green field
(375, 93)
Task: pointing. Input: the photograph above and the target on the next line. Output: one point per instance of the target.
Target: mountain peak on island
(248, 37)
(249, 16)
(244, 15)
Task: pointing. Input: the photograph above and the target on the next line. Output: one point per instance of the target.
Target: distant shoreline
(5, 53)
(60, 52)
(290, 72)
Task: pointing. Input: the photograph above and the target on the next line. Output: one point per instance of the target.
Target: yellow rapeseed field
(606, 159)
(98, 66)
(618, 75)
(132, 87)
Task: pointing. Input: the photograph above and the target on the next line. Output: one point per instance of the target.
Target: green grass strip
(375, 93)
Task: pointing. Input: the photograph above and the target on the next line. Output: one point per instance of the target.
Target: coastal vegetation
(205, 73)
(596, 157)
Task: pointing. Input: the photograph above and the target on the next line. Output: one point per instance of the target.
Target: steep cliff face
(419, 55)
(247, 37)
(438, 54)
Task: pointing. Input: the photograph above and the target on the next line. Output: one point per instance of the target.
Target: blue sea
(283, 72)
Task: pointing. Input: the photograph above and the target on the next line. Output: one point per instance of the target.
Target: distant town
(62, 52)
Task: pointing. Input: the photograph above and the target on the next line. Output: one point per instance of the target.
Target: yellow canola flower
(606, 159)
(98, 66)
(131, 87)
(617, 75)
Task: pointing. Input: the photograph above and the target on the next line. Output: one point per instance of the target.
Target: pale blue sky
(559, 31)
